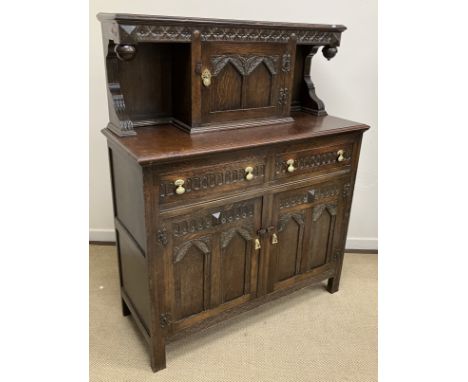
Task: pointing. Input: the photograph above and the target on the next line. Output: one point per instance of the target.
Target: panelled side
(127, 189)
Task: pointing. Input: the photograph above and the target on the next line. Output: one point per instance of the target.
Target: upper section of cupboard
(206, 74)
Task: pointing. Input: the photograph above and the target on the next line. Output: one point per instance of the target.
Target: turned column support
(120, 122)
(311, 103)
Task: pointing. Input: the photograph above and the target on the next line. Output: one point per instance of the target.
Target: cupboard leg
(333, 284)
(158, 354)
(125, 310)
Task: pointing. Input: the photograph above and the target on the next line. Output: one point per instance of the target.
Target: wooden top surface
(166, 142)
(126, 17)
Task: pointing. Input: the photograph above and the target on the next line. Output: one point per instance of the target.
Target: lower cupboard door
(306, 233)
(211, 262)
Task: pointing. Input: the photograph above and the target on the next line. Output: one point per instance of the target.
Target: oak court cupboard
(231, 184)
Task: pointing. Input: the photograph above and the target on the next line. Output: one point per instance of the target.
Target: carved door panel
(248, 80)
(307, 224)
(210, 260)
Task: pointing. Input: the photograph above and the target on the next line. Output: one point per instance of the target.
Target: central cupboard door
(211, 261)
(306, 232)
(247, 80)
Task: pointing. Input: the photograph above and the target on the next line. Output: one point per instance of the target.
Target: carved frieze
(210, 180)
(238, 211)
(244, 64)
(183, 33)
(310, 196)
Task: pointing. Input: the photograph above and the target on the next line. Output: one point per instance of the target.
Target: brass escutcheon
(274, 239)
(257, 244)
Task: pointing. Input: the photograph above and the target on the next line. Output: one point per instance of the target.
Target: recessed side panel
(134, 275)
(127, 183)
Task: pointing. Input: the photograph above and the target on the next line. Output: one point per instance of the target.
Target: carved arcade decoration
(284, 219)
(226, 236)
(244, 64)
(201, 244)
(318, 210)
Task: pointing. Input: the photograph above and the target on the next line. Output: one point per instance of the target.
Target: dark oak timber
(231, 184)
(207, 74)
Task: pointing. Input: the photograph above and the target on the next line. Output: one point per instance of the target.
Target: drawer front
(185, 184)
(313, 161)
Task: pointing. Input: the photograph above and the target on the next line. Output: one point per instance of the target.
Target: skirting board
(367, 243)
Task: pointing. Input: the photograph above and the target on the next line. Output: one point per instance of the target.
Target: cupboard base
(157, 345)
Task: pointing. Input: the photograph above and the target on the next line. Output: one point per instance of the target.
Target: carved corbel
(311, 102)
(120, 122)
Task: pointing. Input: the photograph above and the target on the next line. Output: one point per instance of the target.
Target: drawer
(210, 179)
(313, 161)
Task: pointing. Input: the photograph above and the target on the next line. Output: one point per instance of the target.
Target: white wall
(347, 84)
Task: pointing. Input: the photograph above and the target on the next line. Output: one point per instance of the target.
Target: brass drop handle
(180, 186)
(249, 173)
(274, 239)
(257, 244)
(340, 154)
(290, 163)
(206, 77)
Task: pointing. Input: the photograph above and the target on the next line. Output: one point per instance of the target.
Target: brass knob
(180, 189)
(290, 163)
(206, 77)
(274, 239)
(257, 244)
(248, 173)
(340, 154)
